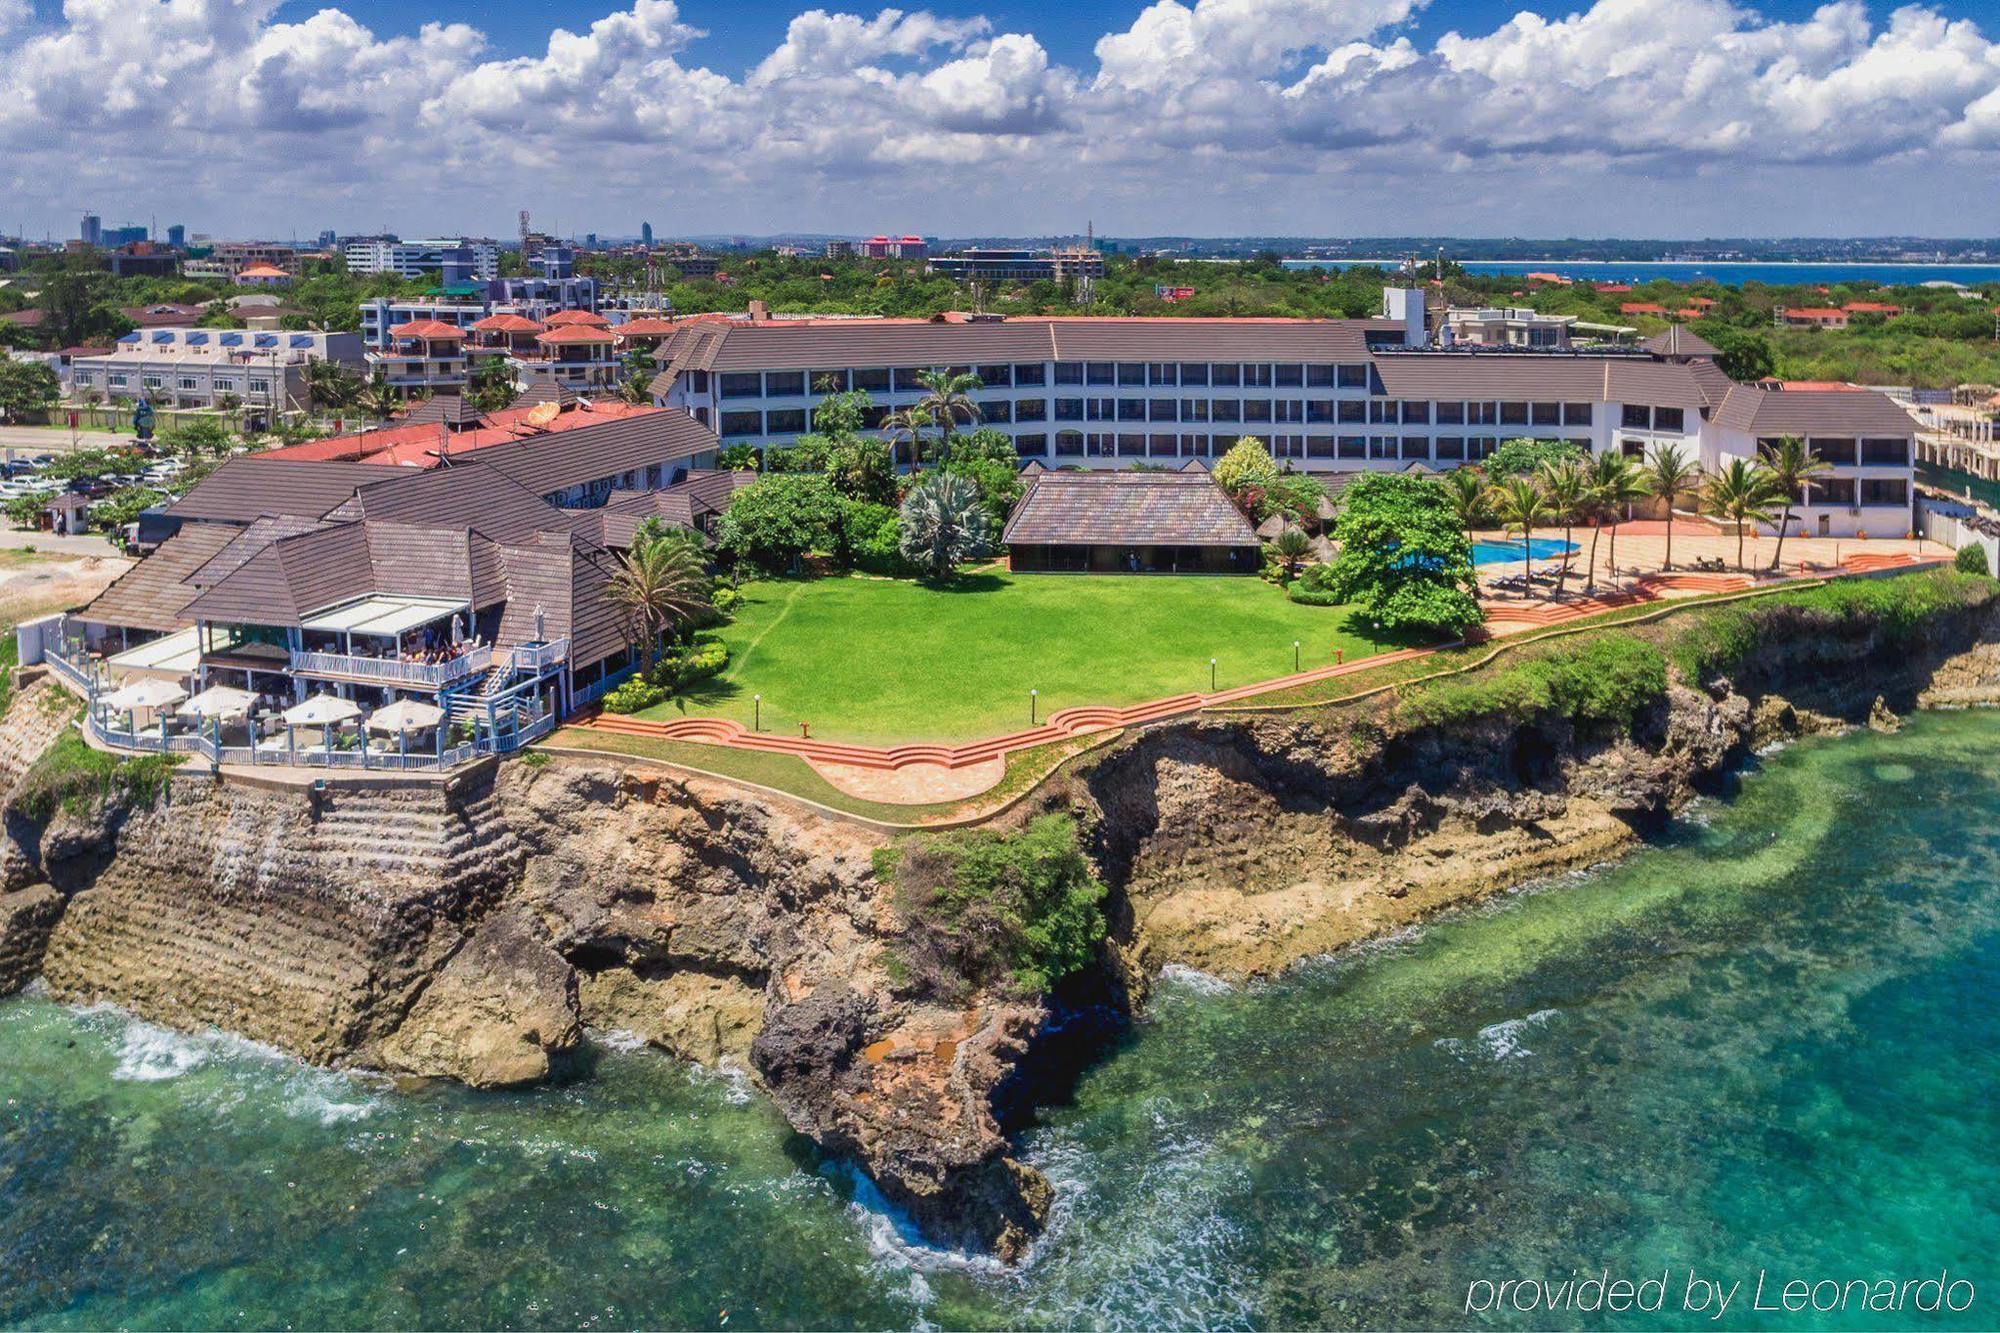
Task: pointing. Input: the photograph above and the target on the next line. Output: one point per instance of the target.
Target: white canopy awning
(321, 710)
(178, 654)
(220, 701)
(147, 693)
(405, 715)
(382, 615)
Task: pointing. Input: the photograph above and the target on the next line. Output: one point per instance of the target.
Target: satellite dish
(541, 414)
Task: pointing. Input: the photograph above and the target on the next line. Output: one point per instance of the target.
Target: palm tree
(330, 384)
(658, 583)
(1742, 493)
(1670, 475)
(944, 523)
(638, 386)
(906, 425)
(947, 401)
(1615, 483)
(493, 385)
(1791, 466)
(1292, 546)
(376, 398)
(1470, 497)
(1520, 506)
(1566, 483)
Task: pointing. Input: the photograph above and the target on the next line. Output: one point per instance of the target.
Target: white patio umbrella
(147, 693)
(220, 701)
(321, 710)
(405, 715)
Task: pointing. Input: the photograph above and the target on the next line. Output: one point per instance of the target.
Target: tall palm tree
(1470, 497)
(1566, 483)
(948, 400)
(1521, 507)
(493, 385)
(1742, 493)
(330, 384)
(906, 425)
(658, 583)
(1791, 466)
(1670, 474)
(1615, 483)
(376, 398)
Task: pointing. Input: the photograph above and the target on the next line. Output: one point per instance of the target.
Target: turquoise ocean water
(1770, 1043)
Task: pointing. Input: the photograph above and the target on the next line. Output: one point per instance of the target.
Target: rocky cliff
(474, 929)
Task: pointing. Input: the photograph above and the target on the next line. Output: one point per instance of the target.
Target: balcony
(395, 672)
(540, 656)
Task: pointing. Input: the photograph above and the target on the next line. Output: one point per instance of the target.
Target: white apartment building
(1324, 395)
(478, 260)
(199, 368)
(1506, 326)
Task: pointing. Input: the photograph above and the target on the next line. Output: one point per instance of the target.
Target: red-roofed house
(1614, 288)
(563, 319)
(1812, 317)
(422, 354)
(577, 356)
(1642, 308)
(262, 275)
(513, 334)
(426, 443)
(1881, 308)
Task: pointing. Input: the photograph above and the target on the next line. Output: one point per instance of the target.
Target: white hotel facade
(1327, 396)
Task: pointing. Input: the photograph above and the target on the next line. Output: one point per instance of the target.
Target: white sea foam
(149, 1054)
(892, 1238)
(1505, 1040)
(616, 1039)
(1194, 980)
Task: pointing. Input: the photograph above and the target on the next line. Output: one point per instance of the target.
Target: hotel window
(117, 380)
(1069, 444)
(995, 377)
(1420, 413)
(1031, 409)
(1163, 409)
(1353, 446)
(1226, 409)
(1319, 377)
(1031, 446)
(1513, 414)
(1416, 446)
(1635, 417)
(261, 386)
(1833, 491)
(1256, 375)
(1225, 375)
(1351, 410)
(187, 382)
(1319, 446)
(1194, 372)
(225, 386)
(1837, 453)
(1132, 374)
(1545, 414)
(1069, 372)
(1481, 414)
(1069, 409)
(873, 415)
(1162, 373)
(1131, 446)
(1450, 448)
(1194, 409)
(785, 383)
(742, 423)
(907, 381)
(1885, 453)
(1131, 409)
(1576, 414)
(1631, 448)
(1289, 376)
(1101, 372)
(1381, 411)
(742, 386)
(1000, 413)
(1885, 491)
(787, 421)
(153, 381)
(1381, 446)
(1668, 418)
(1103, 446)
(1102, 409)
(1030, 374)
(1353, 377)
(1319, 409)
(1162, 446)
(1480, 447)
(1288, 410)
(1257, 409)
(1451, 414)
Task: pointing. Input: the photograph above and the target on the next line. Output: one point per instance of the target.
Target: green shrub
(702, 660)
(1604, 679)
(724, 600)
(1971, 560)
(979, 910)
(632, 696)
(71, 776)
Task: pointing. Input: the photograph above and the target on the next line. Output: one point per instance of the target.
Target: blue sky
(1217, 117)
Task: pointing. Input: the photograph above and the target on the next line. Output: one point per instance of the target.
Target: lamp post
(1211, 675)
(757, 712)
(1032, 695)
(1295, 657)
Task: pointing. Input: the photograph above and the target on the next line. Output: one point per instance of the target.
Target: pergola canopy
(381, 614)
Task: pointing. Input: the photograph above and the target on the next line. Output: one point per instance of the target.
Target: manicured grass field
(881, 661)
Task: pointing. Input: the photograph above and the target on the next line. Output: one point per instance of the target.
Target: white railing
(535, 657)
(103, 729)
(393, 670)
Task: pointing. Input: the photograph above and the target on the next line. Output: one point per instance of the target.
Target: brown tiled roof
(1538, 377)
(1127, 508)
(247, 487)
(620, 519)
(290, 578)
(710, 491)
(1768, 412)
(1679, 340)
(451, 408)
(150, 595)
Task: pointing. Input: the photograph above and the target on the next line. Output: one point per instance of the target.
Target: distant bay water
(1729, 275)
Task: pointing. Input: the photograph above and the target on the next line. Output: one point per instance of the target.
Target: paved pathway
(53, 440)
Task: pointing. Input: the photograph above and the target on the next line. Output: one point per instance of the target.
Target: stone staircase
(417, 831)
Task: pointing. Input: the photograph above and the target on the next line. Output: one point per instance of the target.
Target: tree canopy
(1404, 558)
(780, 517)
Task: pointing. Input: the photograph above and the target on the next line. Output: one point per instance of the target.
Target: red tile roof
(426, 328)
(644, 328)
(418, 444)
(564, 318)
(575, 334)
(507, 324)
(1642, 308)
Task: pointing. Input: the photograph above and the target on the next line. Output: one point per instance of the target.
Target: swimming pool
(1542, 548)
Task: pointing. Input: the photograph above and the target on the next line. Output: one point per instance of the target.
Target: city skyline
(1367, 117)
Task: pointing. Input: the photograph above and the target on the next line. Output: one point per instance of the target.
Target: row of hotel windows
(182, 383)
(1078, 444)
(1034, 374)
(1326, 411)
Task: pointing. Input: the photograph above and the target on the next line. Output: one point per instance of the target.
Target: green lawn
(881, 661)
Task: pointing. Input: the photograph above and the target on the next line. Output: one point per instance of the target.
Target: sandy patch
(913, 784)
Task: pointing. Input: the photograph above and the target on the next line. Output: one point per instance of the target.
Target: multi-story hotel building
(206, 367)
(1325, 396)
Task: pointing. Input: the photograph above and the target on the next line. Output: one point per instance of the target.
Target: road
(52, 440)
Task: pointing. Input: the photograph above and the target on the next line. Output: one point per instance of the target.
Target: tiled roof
(573, 335)
(249, 485)
(420, 444)
(1768, 412)
(1127, 508)
(1543, 377)
(565, 318)
(150, 595)
(1679, 340)
(450, 408)
(644, 328)
(426, 328)
(507, 323)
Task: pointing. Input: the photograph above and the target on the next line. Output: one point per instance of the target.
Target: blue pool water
(1542, 548)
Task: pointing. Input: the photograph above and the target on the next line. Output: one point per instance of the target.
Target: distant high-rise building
(93, 229)
(113, 237)
(177, 236)
(328, 239)
(590, 240)
(646, 234)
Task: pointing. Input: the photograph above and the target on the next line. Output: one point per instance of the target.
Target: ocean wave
(1193, 980)
(616, 1039)
(1505, 1040)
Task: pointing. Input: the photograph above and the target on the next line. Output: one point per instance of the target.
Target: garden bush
(634, 695)
(71, 775)
(1971, 560)
(1315, 587)
(980, 910)
(1594, 680)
